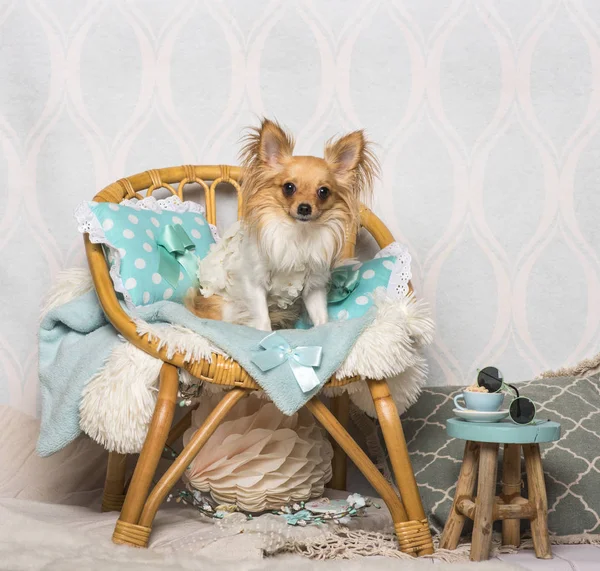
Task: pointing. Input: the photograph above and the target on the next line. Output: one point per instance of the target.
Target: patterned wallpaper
(486, 116)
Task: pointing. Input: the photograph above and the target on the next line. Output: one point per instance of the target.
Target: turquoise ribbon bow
(344, 280)
(175, 252)
(301, 359)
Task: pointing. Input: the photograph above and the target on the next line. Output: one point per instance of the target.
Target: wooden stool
(509, 507)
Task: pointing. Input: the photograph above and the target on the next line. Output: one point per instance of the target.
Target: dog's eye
(323, 192)
(289, 188)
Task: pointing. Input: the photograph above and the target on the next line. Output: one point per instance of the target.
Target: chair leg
(340, 407)
(537, 496)
(414, 537)
(178, 467)
(114, 485)
(389, 419)
(484, 504)
(465, 488)
(127, 530)
(511, 492)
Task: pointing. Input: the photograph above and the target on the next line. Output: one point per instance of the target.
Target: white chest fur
(289, 257)
(273, 269)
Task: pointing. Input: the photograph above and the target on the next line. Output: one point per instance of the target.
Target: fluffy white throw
(118, 402)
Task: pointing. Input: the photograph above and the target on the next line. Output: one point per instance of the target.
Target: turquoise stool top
(504, 432)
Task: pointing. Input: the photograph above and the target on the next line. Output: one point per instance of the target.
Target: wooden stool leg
(511, 492)
(127, 530)
(391, 427)
(340, 407)
(465, 488)
(484, 504)
(415, 536)
(114, 485)
(536, 488)
(178, 467)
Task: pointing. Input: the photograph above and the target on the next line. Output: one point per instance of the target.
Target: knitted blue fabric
(75, 340)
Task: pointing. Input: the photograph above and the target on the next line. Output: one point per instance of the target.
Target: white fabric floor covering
(50, 520)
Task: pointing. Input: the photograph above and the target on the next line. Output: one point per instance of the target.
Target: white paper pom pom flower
(258, 458)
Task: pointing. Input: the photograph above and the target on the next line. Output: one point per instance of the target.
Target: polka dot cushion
(152, 245)
(388, 273)
(374, 276)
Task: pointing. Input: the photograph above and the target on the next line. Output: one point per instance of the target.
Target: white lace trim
(401, 273)
(172, 204)
(89, 224)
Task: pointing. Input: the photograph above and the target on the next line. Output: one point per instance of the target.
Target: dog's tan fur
(347, 171)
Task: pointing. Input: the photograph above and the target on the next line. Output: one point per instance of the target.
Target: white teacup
(484, 402)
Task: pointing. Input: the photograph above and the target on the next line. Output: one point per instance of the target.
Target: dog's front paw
(320, 320)
(315, 302)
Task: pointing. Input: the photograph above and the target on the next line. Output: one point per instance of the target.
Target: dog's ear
(275, 143)
(352, 161)
(269, 145)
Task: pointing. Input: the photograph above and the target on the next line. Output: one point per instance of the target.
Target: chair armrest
(113, 310)
(375, 227)
(379, 231)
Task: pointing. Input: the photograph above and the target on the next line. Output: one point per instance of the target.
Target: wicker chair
(138, 505)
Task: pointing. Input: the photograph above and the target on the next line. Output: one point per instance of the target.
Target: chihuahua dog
(297, 213)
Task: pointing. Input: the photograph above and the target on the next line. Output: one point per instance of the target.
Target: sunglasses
(521, 409)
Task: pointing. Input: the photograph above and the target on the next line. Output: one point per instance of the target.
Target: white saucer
(481, 416)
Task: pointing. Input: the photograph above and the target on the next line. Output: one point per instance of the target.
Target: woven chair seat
(224, 371)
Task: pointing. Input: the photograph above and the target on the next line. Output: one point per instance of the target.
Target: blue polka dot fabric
(132, 234)
(374, 276)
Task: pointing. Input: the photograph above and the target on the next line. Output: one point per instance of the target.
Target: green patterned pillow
(571, 465)
(152, 245)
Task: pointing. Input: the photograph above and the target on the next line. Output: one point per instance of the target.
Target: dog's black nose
(304, 209)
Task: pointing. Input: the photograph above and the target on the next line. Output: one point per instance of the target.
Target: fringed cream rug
(346, 544)
(363, 537)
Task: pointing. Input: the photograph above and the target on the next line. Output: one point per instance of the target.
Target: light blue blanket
(75, 340)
